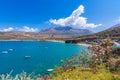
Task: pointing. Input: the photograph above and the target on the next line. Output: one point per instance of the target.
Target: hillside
(113, 32)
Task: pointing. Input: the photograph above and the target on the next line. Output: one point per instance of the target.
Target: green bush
(81, 73)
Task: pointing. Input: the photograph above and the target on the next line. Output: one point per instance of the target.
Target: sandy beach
(56, 41)
(83, 44)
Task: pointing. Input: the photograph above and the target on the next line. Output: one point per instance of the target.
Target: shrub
(81, 73)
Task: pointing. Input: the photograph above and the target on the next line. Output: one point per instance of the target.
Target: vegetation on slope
(98, 66)
(113, 33)
(81, 73)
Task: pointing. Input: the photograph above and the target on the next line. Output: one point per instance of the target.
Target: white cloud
(75, 20)
(23, 29)
(9, 29)
(28, 29)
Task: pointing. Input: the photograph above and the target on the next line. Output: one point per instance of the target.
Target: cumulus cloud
(23, 29)
(9, 29)
(75, 20)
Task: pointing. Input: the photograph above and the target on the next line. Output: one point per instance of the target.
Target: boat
(10, 49)
(49, 70)
(4, 52)
(27, 57)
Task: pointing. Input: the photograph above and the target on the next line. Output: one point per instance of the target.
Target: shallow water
(42, 55)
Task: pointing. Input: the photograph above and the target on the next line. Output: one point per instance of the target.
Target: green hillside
(113, 33)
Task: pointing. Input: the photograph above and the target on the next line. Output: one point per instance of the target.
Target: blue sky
(33, 15)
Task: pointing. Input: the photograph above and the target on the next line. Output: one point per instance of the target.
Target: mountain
(65, 31)
(49, 33)
(113, 32)
(115, 26)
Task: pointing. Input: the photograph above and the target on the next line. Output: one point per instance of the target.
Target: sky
(33, 15)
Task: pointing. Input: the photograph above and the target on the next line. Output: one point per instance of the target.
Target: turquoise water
(44, 55)
(116, 47)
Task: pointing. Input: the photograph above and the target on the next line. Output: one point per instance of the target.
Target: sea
(34, 56)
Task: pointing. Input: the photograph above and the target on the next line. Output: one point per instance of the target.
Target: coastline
(83, 44)
(80, 44)
(21, 40)
(36, 40)
(55, 41)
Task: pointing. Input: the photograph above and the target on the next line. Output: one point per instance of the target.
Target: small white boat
(27, 57)
(49, 70)
(4, 52)
(10, 49)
